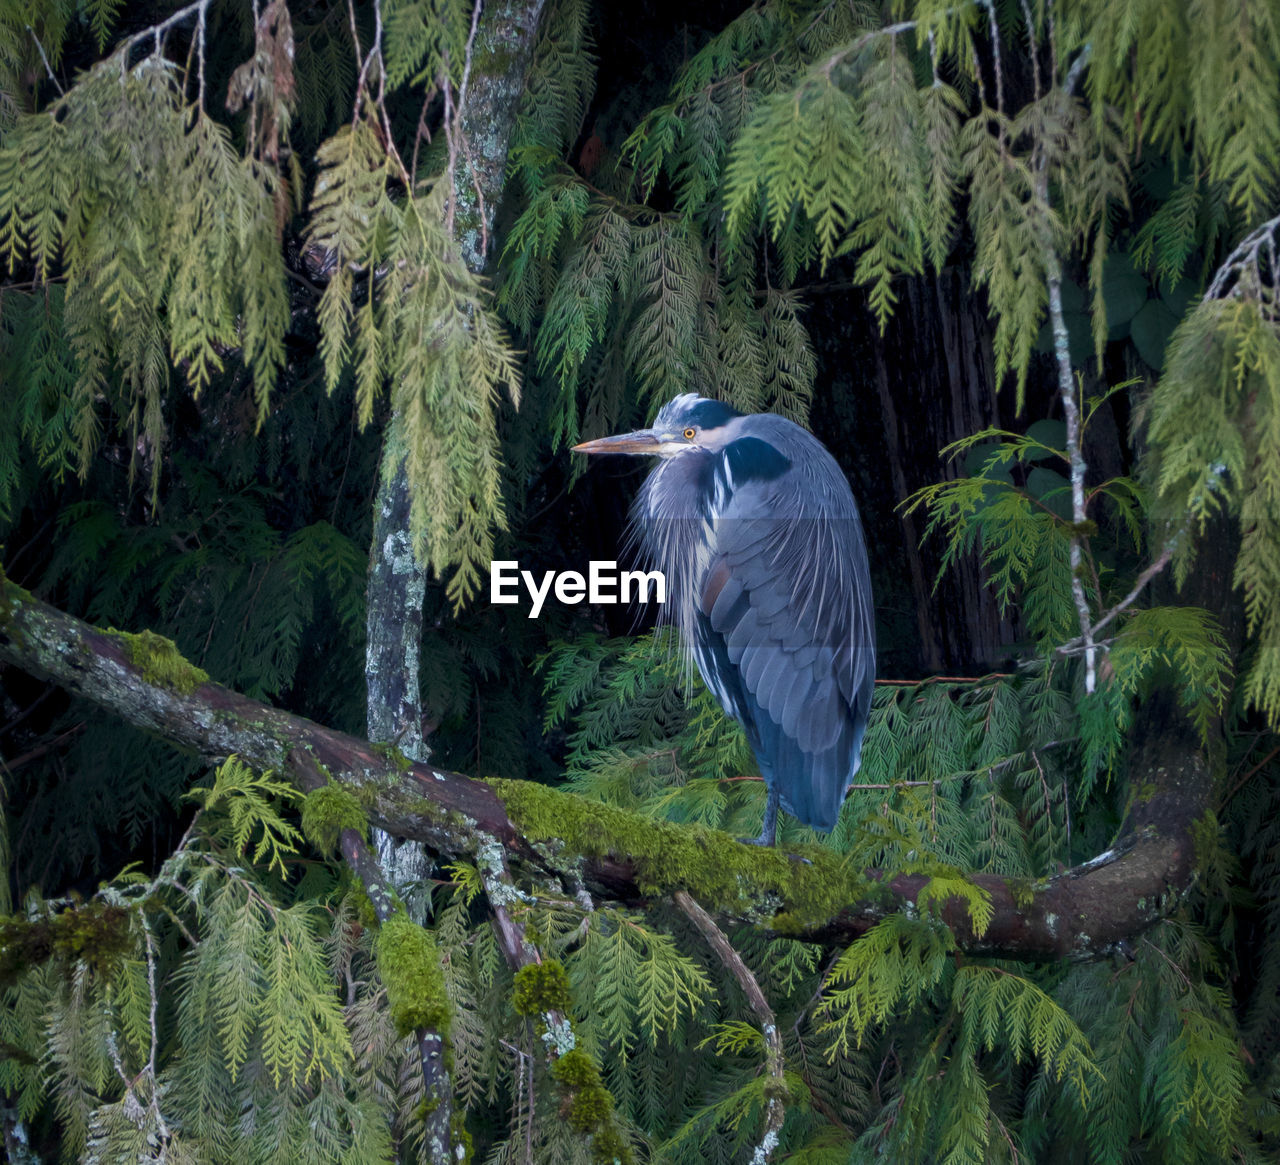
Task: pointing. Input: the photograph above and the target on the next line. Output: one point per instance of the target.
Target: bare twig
(927, 680)
(1075, 456)
(495, 875)
(481, 211)
(383, 115)
(885, 786)
(200, 27)
(1053, 39)
(363, 63)
(996, 67)
(466, 63)
(1145, 577)
(432, 1053)
(1244, 256)
(1032, 48)
(154, 1000)
(157, 31)
(1262, 764)
(775, 1111)
(1071, 413)
(1077, 68)
(40, 49)
(299, 278)
(366, 62)
(1074, 646)
(451, 130)
(41, 749)
(423, 131)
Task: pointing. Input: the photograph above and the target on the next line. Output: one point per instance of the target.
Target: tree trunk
(397, 581)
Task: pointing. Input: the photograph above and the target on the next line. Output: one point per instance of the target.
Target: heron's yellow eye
(689, 434)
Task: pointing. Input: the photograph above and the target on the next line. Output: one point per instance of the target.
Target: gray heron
(755, 527)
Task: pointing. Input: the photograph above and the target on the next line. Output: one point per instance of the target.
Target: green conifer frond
(1186, 640)
(1223, 367)
(893, 966)
(166, 236)
(1015, 231)
(577, 312)
(426, 39)
(790, 366)
(1168, 238)
(248, 799)
(1008, 1011)
(665, 348)
(1231, 99)
(632, 980)
(557, 91)
(812, 167)
(424, 327)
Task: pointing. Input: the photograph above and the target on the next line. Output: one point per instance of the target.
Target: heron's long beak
(641, 441)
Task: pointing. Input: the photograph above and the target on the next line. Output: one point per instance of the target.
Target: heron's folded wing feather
(803, 638)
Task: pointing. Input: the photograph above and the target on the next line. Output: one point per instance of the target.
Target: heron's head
(688, 423)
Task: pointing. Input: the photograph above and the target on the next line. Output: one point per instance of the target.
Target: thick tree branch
(1083, 913)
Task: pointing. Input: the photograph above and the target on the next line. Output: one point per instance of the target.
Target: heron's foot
(769, 827)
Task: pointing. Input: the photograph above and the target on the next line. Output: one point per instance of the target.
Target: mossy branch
(408, 960)
(1087, 912)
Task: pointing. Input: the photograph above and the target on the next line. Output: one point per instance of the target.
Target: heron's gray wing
(788, 622)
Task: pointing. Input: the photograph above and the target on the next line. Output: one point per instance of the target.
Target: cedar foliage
(161, 317)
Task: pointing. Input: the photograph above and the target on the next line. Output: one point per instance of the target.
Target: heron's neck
(681, 488)
(673, 519)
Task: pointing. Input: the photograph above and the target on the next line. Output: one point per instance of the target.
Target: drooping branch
(1085, 912)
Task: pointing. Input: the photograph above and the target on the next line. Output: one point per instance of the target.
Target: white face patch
(672, 445)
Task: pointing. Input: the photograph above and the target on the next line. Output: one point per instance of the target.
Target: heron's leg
(769, 829)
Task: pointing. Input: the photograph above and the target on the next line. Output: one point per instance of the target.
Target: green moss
(93, 931)
(493, 60)
(409, 964)
(589, 1106)
(589, 1109)
(803, 890)
(326, 812)
(11, 595)
(393, 756)
(541, 987)
(366, 912)
(607, 1147)
(460, 1138)
(160, 662)
(575, 1070)
(1022, 892)
(388, 794)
